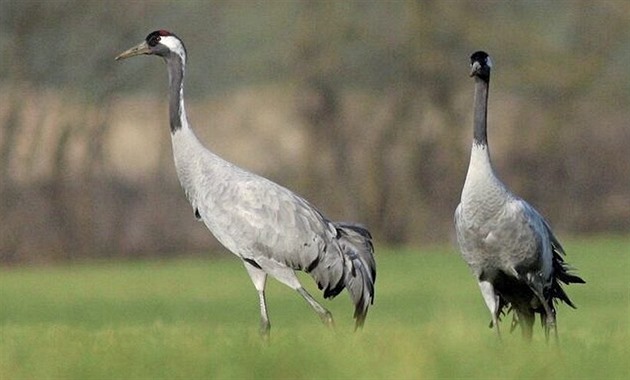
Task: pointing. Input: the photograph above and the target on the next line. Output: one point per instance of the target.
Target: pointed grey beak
(141, 48)
(474, 68)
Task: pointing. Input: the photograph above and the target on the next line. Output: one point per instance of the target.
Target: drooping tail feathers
(356, 244)
(561, 274)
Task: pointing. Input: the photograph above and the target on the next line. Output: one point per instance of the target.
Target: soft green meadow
(198, 319)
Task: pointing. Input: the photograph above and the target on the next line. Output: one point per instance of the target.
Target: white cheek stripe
(174, 44)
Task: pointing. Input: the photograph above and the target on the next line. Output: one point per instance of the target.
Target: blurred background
(362, 107)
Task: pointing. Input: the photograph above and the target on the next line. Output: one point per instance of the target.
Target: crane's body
(507, 244)
(261, 222)
(273, 230)
(496, 228)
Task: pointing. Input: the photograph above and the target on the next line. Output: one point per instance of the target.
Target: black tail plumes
(356, 244)
(561, 274)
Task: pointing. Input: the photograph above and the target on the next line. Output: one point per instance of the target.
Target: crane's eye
(153, 40)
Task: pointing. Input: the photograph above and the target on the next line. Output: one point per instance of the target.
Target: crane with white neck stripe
(508, 245)
(271, 229)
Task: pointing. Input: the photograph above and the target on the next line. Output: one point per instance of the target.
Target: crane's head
(480, 65)
(160, 42)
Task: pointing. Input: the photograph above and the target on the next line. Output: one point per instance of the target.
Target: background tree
(363, 107)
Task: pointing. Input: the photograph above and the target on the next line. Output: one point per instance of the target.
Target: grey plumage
(507, 244)
(273, 230)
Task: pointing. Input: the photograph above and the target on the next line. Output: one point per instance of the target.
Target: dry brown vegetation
(363, 109)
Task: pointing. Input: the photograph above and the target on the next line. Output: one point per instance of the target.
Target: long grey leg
(492, 302)
(549, 321)
(259, 278)
(324, 314)
(526, 320)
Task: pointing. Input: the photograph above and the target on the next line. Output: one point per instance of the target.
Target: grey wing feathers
(255, 217)
(561, 272)
(336, 255)
(356, 244)
(261, 217)
(560, 268)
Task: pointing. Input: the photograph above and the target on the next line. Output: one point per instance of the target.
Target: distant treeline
(362, 107)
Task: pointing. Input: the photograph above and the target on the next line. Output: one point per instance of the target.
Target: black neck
(177, 113)
(480, 136)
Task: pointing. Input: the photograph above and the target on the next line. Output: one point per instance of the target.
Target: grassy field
(191, 319)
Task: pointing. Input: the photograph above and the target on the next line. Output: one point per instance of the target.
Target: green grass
(189, 319)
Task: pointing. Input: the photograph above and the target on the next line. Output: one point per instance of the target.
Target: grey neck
(177, 113)
(480, 136)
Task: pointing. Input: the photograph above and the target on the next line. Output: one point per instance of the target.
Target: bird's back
(256, 218)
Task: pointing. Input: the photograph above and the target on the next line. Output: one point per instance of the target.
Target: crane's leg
(287, 276)
(259, 278)
(526, 320)
(549, 317)
(324, 314)
(492, 302)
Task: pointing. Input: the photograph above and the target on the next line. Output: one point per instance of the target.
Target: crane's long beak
(474, 69)
(142, 48)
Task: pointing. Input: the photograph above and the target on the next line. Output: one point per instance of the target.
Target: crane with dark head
(508, 245)
(271, 229)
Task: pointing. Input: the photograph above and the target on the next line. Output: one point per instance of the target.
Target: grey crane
(272, 230)
(508, 245)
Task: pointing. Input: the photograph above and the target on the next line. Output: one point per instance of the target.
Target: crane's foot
(264, 330)
(321, 311)
(494, 324)
(499, 336)
(550, 328)
(327, 319)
